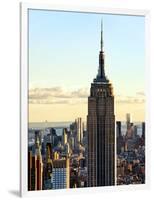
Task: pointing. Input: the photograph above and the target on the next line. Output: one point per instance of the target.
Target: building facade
(61, 174)
(79, 129)
(128, 120)
(101, 128)
(35, 166)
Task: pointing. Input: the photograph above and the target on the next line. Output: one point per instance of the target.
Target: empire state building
(101, 128)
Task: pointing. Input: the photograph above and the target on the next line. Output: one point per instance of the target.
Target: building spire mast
(102, 35)
(101, 71)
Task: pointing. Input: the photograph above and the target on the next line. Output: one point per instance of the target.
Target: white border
(91, 7)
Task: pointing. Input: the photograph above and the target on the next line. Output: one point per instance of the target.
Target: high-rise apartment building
(61, 174)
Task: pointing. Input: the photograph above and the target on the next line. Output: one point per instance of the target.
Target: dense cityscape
(97, 152)
(130, 153)
(57, 157)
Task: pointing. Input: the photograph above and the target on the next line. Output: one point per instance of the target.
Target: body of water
(42, 125)
(60, 125)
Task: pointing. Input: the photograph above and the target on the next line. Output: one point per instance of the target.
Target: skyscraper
(79, 125)
(101, 128)
(143, 130)
(35, 165)
(31, 171)
(61, 174)
(120, 142)
(118, 129)
(48, 166)
(64, 138)
(128, 120)
(39, 164)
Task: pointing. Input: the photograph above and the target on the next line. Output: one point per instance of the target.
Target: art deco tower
(101, 128)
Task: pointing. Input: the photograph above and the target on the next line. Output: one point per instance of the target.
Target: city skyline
(99, 152)
(49, 62)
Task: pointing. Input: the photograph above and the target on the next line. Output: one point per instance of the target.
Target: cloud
(130, 100)
(141, 93)
(135, 101)
(57, 95)
(48, 102)
(80, 93)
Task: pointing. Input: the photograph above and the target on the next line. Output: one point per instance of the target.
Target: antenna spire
(101, 72)
(101, 34)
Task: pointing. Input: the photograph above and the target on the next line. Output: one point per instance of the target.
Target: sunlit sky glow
(63, 61)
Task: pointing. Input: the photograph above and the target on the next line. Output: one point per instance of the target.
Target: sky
(63, 61)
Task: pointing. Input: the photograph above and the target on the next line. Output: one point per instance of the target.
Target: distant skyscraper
(119, 144)
(79, 129)
(118, 128)
(72, 142)
(31, 171)
(143, 130)
(48, 167)
(35, 165)
(61, 174)
(67, 148)
(135, 131)
(64, 136)
(101, 129)
(53, 136)
(128, 120)
(39, 166)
